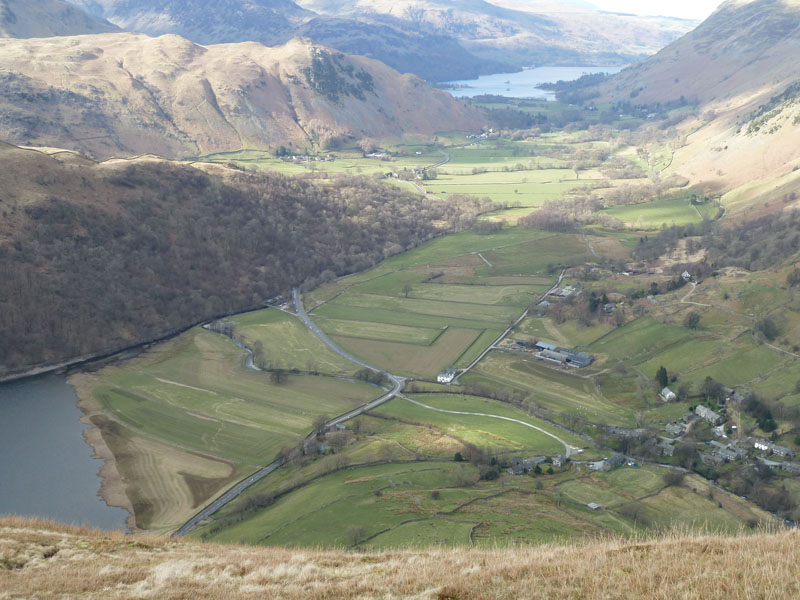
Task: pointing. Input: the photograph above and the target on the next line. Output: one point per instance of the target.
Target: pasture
(665, 211)
(288, 344)
(494, 434)
(445, 302)
(187, 417)
(551, 389)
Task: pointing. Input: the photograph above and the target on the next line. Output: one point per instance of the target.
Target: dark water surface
(46, 466)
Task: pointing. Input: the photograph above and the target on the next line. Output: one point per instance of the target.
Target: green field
(494, 434)
(187, 418)
(469, 286)
(551, 389)
(667, 211)
(412, 359)
(427, 504)
(195, 393)
(288, 344)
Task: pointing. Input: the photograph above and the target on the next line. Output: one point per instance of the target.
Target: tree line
(113, 257)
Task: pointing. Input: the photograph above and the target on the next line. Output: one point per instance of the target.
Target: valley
(442, 305)
(311, 302)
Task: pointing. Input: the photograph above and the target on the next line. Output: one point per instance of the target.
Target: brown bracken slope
(42, 560)
(126, 94)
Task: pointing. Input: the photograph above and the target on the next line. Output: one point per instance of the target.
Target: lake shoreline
(521, 84)
(112, 488)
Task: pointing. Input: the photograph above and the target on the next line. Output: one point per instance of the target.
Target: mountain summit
(124, 94)
(45, 18)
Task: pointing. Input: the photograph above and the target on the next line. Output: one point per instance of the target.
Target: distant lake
(523, 84)
(46, 467)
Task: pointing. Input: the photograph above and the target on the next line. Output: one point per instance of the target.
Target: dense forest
(118, 256)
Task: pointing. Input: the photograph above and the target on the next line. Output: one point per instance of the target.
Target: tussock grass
(45, 560)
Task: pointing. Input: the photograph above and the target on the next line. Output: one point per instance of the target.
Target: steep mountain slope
(523, 33)
(95, 257)
(45, 18)
(123, 94)
(740, 68)
(430, 55)
(44, 560)
(203, 21)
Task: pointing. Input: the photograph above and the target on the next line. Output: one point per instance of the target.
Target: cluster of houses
(721, 452)
(304, 158)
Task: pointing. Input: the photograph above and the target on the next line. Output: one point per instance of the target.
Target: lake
(46, 467)
(523, 84)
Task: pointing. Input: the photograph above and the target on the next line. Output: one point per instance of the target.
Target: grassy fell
(42, 559)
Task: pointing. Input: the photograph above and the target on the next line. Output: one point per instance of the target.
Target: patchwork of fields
(189, 414)
(444, 303)
(187, 418)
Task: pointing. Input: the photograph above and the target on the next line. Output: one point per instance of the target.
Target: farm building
(709, 415)
(712, 459)
(545, 346)
(667, 395)
(446, 376)
(559, 461)
(608, 463)
(665, 446)
(520, 466)
(563, 356)
(594, 506)
(674, 429)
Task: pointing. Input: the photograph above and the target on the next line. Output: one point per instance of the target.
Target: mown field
(189, 414)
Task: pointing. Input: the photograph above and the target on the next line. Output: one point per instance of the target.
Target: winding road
(569, 450)
(233, 492)
(397, 386)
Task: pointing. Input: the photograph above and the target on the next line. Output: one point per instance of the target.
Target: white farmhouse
(446, 376)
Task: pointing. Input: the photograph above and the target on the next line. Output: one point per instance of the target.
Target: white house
(446, 376)
(667, 395)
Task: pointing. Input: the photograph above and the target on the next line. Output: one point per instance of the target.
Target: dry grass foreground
(40, 559)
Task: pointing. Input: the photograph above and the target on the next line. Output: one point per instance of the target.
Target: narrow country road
(230, 495)
(507, 331)
(233, 492)
(685, 300)
(569, 450)
(397, 386)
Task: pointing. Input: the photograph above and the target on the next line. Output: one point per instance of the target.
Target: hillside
(45, 18)
(127, 94)
(739, 69)
(203, 21)
(98, 257)
(41, 559)
(430, 55)
(523, 33)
